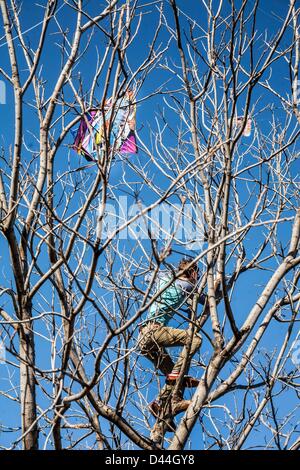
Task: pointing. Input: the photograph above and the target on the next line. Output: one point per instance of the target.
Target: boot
(188, 381)
(157, 433)
(155, 409)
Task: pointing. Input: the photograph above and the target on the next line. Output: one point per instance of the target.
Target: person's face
(194, 276)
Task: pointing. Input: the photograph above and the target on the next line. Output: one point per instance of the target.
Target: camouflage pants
(153, 340)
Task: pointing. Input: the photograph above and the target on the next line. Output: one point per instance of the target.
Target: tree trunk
(27, 385)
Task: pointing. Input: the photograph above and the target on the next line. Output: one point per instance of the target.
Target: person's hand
(218, 281)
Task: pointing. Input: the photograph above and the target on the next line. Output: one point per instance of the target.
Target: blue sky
(249, 285)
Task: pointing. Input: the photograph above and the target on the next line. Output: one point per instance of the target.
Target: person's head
(190, 272)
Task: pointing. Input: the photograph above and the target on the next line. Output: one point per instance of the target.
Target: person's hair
(184, 262)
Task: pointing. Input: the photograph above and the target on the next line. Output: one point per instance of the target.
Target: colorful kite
(121, 118)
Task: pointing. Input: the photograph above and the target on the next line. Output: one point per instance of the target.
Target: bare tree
(80, 237)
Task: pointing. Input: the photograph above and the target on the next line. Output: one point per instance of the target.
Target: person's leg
(166, 404)
(196, 343)
(152, 349)
(153, 341)
(169, 337)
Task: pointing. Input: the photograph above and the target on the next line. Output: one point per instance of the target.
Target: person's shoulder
(163, 275)
(184, 284)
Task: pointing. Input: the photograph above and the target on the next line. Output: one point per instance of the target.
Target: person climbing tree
(155, 335)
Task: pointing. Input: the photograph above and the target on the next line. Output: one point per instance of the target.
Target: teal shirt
(163, 309)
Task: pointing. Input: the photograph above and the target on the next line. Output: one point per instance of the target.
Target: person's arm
(203, 297)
